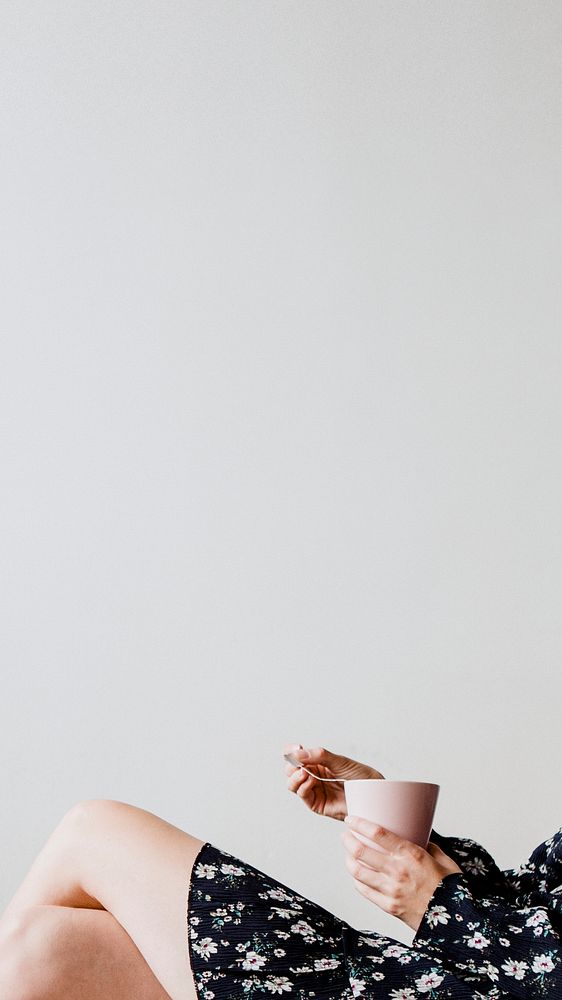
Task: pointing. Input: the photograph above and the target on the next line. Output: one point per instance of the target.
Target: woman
(121, 905)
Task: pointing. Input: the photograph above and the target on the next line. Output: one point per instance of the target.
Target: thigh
(83, 954)
(138, 866)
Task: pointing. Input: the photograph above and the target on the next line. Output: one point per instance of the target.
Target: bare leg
(110, 855)
(49, 952)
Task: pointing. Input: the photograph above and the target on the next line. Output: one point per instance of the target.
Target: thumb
(437, 853)
(316, 755)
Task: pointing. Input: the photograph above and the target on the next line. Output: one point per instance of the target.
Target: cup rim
(391, 781)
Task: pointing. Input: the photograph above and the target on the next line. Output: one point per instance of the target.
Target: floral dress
(486, 934)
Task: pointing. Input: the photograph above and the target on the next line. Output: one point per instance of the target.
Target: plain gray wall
(281, 409)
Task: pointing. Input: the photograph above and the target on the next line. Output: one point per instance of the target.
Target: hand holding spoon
(296, 763)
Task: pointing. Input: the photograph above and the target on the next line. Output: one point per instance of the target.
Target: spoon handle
(296, 763)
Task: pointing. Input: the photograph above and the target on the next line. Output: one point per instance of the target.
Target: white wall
(281, 403)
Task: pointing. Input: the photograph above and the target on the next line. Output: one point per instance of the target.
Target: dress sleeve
(476, 863)
(541, 873)
(492, 941)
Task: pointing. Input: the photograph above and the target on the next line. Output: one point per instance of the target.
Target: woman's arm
(540, 873)
(518, 949)
(474, 860)
(483, 939)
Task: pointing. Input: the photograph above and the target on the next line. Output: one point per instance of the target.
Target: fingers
(369, 868)
(368, 877)
(310, 755)
(294, 749)
(296, 779)
(315, 755)
(377, 875)
(384, 838)
(375, 896)
(357, 851)
(305, 788)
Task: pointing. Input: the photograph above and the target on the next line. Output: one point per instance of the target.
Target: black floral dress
(486, 934)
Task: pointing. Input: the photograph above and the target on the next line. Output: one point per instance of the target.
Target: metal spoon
(296, 763)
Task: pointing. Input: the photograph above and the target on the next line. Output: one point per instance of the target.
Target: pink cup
(406, 808)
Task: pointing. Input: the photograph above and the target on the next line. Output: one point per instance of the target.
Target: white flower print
(326, 963)
(515, 969)
(301, 927)
(205, 947)
(394, 951)
(357, 986)
(232, 870)
(430, 981)
(252, 960)
(278, 984)
(279, 961)
(542, 963)
(536, 918)
(491, 971)
(477, 941)
(437, 915)
(523, 869)
(205, 871)
(278, 894)
(475, 866)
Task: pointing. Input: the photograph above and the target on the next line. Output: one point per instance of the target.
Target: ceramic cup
(405, 807)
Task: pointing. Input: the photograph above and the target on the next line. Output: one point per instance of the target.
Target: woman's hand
(401, 878)
(326, 798)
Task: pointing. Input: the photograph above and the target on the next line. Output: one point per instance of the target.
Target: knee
(89, 815)
(25, 962)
